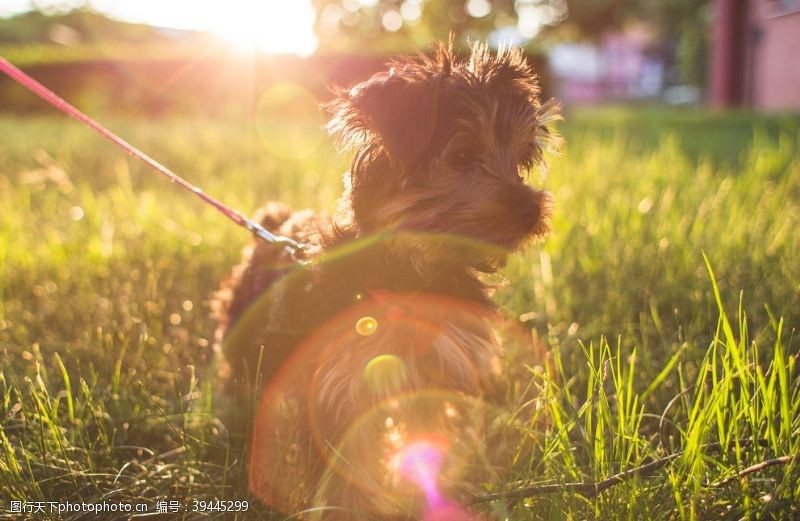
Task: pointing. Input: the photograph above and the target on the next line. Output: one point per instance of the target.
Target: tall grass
(737, 408)
(654, 350)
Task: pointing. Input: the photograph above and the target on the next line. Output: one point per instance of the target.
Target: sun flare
(271, 26)
(268, 26)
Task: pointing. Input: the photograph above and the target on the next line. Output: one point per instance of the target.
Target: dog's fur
(436, 194)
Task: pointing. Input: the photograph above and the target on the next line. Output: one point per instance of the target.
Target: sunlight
(271, 26)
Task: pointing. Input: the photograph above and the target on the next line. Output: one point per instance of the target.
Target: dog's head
(443, 147)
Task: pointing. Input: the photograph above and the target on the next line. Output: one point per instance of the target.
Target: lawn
(667, 300)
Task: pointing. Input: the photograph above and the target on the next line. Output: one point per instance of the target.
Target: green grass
(106, 272)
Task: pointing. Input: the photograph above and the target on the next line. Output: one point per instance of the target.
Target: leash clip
(294, 248)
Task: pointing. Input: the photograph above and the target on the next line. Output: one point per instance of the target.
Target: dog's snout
(525, 205)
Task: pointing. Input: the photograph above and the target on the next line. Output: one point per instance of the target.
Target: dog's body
(386, 335)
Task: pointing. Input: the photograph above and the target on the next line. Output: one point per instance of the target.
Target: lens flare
(449, 511)
(385, 374)
(366, 326)
(367, 419)
(421, 463)
(289, 122)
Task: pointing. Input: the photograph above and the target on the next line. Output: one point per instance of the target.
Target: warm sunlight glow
(271, 26)
(268, 26)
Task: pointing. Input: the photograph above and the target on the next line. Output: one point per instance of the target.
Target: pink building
(755, 54)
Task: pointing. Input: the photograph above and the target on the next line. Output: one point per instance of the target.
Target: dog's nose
(525, 206)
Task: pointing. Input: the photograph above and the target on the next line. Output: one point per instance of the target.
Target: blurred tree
(590, 19)
(683, 26)
(354, 25)
(79, 25)
(397, 25)
(680, 28)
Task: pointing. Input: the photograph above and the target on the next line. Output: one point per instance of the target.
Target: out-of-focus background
(158, 56)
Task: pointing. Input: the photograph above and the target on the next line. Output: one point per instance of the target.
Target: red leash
(289, 245)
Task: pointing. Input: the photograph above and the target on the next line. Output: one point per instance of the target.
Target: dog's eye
(463, 158)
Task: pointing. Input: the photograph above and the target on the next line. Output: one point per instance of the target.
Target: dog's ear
(396, 110)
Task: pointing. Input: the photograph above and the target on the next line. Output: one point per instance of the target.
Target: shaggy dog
(369, 362)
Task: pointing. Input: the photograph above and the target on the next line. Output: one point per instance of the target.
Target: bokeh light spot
(366, 326)
(421, 462)
(392, 21)
(411, 11)
(479, 8)
(76, 213)
(289, 122)
(385, 373)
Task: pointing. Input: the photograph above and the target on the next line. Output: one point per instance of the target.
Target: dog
(367, 366)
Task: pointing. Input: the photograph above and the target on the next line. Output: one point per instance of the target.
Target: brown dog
(369, 363)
